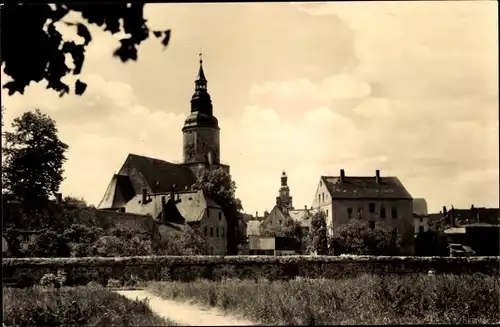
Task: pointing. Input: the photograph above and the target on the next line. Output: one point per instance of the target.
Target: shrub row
(28, 271)
(75, 306)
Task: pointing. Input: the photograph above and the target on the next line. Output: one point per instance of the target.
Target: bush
(75, 306)
(368, 299)
(114, 283)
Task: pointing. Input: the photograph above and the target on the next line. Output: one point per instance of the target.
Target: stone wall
(80, 271)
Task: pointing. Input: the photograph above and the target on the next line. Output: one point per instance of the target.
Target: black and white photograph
(250, 163)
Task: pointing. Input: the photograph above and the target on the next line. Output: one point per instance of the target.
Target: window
(163, 199)
(382, 212)
(372, 207)
(420, 229)
(222, 232)
(349, 212)
(372, 224)
(394, 212)
(323, 197)
(421, 219)
(280, 222)
(217, 232)
(327, 212)
(360, 213)
(211, 231)
(319, 197)
(220, 215)
(205, 230)
(208, 212)
(394, 232)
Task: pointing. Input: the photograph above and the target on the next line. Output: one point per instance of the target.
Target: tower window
(327, 212)
(349, 212)
(205, 231)
(421, 219)
(217, 231)
(208, 212)
(211, 231)
(323, 197)
(420, 229)
(222, 232)
(372, 207)
(319, 198)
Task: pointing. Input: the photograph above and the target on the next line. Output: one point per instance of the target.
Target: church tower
(284, 200)
(201, 129)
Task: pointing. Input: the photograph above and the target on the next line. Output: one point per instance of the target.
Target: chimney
(58, 198)
(305, 207)
(444, 211)
(144, 196)
(342, 175)
(452, 217)
(377, 176)
(256, 214)
(472, 206)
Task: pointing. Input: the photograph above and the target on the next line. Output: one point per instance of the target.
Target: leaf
(80, 87)
(166, 38)
(84, 33)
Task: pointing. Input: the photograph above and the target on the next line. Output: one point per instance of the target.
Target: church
(162, 189)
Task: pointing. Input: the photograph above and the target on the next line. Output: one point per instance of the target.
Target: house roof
(365, 187)
(118, 193)
(253, 228)
(191, 205)
(302, 216)
(158, 175)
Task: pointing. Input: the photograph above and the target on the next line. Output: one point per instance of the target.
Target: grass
(75, 306)
(368, 299)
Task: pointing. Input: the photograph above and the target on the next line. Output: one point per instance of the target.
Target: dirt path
(185, 313)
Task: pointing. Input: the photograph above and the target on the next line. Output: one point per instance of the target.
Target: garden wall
(80, 271)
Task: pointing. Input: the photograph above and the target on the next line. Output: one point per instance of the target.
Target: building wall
(261, 243)
(198, 142)
(323, 201)
(214, 228)
(403, 222)
(421, 222)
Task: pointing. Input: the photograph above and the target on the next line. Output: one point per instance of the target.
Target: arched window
(211, 231)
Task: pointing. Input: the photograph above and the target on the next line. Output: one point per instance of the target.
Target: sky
(409, 88)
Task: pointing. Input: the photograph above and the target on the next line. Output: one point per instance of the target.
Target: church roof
(191, 206)
(365, 187)
(157, 175)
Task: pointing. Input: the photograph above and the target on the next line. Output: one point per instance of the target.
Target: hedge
(28, 271)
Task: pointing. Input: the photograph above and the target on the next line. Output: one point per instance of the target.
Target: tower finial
(201, 56)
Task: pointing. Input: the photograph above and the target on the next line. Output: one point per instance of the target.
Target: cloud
(407, 88)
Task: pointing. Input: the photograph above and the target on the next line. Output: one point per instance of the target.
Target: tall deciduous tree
(33, 158)
(318, 234)
(221, 188)
(29, 29)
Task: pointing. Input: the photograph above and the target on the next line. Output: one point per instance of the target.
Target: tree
(291, 229)
(219, 186)
(318, 234)
(48, 244)
(189, 241)
(359, 238)
(29, 29)
(114, 246)
(34, 156)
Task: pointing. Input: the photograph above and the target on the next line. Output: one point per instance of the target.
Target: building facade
(374, 199)
(150, 186)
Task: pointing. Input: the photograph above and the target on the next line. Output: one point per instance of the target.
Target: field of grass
(74, 306)
(368, 299)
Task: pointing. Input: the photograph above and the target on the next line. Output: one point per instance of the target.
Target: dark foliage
(33, 157)
(33, 50)
(318, 234)
(218, 185)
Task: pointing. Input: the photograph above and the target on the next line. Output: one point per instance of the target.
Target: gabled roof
(302, 216)
(191, 205)
(118, 193)
(365, 187)
(158, 175)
